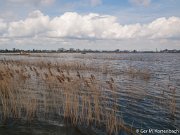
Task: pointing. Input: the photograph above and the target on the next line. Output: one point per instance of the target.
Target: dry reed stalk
(82, 100)
(143, 74)
(173, 101)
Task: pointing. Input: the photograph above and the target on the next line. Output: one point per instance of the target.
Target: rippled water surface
(144, 103)
(37, 128)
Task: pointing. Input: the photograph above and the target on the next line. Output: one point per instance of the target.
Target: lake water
(152, 103)
(36, 128)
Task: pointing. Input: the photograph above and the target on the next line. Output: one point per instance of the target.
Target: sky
(90, 24)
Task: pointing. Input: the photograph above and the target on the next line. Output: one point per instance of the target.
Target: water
(36, 128)
(143, 103)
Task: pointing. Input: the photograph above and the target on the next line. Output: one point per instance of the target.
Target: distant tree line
(72, 50)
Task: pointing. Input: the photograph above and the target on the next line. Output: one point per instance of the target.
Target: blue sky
(127, 24)
(126, 10)
(129, 12)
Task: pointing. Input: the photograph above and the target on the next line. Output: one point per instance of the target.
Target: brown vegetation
(28, 88)
(141, 73)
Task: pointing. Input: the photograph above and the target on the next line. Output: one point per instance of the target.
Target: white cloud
(141, 2)
(162, 28)
(107, 27)
(3, 26)
(35, 24)
(75, 25)
(90, 26)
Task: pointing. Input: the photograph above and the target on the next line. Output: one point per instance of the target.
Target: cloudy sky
(90, 24)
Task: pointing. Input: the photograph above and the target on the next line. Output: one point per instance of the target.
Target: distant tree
(117, 50)
(134, 51)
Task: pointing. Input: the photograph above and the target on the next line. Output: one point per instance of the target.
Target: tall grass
(27, 89)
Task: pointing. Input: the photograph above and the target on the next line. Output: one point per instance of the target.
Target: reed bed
(67, 66)
(141, 73)
(62, 65)
(38, 89)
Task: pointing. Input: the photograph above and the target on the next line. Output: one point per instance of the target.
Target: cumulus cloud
(35, 24)
(74, 25)
(141, 2)
(89, 26)
(162, 28)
